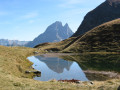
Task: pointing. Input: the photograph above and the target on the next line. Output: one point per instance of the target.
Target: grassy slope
(13, 63)
(105, 37)
(58, 46)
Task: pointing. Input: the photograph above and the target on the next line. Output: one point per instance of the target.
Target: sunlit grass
(13, 63)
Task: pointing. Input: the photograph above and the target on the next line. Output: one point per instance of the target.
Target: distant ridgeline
(99, 31)
(54, 33)
(6, 42)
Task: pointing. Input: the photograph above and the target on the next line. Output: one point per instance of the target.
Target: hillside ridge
(105, 12)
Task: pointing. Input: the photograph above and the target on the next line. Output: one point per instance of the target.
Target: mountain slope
(107, 11)
(54, 33)
(105, 37)
(56, 46)
(6, 42)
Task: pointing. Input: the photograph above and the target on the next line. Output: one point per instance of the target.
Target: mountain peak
(54, 33)
(58, 22)
(66, 25)
(105, 12)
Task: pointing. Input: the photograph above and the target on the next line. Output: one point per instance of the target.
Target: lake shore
(91, 74)
(13, 63)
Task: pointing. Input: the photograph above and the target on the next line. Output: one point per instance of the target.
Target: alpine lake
(83, 67)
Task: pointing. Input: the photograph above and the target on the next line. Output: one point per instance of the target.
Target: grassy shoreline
(13, 63)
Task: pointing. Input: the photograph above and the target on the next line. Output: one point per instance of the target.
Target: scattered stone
(27, 72)
(35, 72)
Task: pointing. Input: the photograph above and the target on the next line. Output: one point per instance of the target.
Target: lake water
(56, 68)
(53, 66)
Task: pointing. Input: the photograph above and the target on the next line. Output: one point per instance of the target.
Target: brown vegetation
(105, 37)
(13, 64)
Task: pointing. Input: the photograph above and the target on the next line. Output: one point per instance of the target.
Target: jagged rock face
(107, 11)
(54, 33)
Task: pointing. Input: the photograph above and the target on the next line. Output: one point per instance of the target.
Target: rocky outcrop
(107, 11)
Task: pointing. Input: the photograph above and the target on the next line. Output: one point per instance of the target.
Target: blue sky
(26, 19)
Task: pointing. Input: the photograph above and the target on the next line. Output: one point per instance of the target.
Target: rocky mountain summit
(54, 33)
(107, 11)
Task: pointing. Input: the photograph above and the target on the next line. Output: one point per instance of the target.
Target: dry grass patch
(13, 63)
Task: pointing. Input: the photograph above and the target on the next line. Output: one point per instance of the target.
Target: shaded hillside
(54, 33)
(57, 46)
(107, 11)
(105, 37)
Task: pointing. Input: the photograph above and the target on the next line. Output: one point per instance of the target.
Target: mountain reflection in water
(56, 68)
(95, 66)
(56, 64)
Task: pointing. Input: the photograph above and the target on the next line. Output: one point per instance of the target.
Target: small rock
(27, 71)
(91, 83)
(36, 72)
